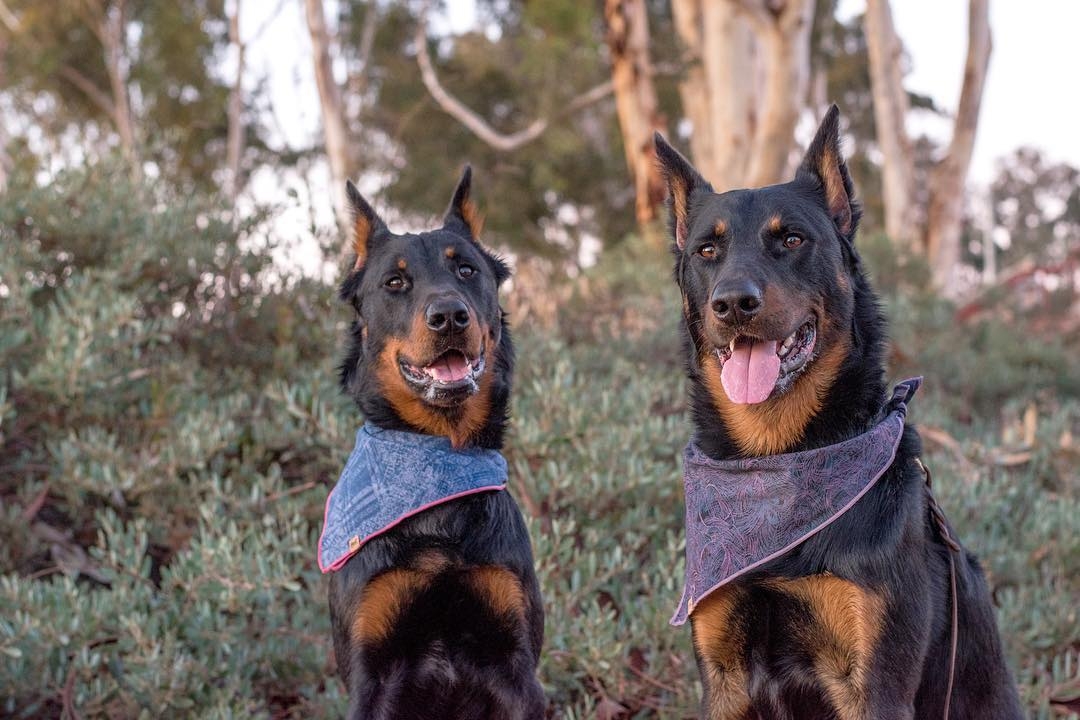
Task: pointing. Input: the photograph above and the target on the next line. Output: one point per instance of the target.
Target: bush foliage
(170, 425)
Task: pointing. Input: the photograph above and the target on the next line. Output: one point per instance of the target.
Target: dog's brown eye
(792, 241)
(395, 283)
(707, 251)
(466, 271)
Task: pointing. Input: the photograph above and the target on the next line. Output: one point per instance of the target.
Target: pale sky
(1031, 95)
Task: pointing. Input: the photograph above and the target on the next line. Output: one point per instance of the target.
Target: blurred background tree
(543, 98)
(169, 421)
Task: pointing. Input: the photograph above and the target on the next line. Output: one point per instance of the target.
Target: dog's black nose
(736, 302)
(447, 314)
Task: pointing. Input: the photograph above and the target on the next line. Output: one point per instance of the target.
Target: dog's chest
(442, 596)
(776, 637)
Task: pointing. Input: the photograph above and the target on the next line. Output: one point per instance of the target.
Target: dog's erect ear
(824, 164)
(462, 215)
(463, 218)
(682, 182)
(366, 224)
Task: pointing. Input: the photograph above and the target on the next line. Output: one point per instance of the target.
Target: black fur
(885, 543)
(449, 653)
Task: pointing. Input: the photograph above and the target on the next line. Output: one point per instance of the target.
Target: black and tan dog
(440, 616)
(784, 342)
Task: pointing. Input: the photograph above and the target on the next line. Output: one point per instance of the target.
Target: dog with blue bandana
(434, 600)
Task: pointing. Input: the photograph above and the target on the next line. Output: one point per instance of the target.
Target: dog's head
(429, 347)
(767, 277)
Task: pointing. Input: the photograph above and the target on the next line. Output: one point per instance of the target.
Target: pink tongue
(449, 368)
(750, 373)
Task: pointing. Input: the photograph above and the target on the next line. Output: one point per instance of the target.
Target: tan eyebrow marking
(774, 223)
(719, 228)
(402, 264)
(449, 252)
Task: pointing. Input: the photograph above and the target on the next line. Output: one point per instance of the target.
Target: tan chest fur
(840, 639)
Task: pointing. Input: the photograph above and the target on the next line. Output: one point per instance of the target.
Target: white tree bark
(784, 31)
(635, 101)
(719, 87)
(693, 88)
(234, 143)
(108, 22)
(113, 35)
(733, 87)
(333, 111)
(890, 110)
(747, 81)
(5, 138)
(945, 214)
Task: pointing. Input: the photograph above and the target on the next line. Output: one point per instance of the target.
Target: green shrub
(166, 452)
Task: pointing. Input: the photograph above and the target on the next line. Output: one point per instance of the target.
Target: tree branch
(268, 21)
(93, 16)
(92, 91)
(367, 36)
(9, 18)
(358, 80)
(476, 124)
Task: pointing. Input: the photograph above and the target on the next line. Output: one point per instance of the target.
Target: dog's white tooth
(731, 347)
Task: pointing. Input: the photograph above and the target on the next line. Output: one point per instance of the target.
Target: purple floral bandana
(392, 475)
(743, 513)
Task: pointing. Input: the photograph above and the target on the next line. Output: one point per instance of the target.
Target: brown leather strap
(942, 526)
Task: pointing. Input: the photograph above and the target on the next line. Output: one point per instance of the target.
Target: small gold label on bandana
(354, 543)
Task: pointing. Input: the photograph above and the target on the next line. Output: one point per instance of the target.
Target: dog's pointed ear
(366, 224)
(463, 217)
(462, 214)
(682, 182)
(824, 163)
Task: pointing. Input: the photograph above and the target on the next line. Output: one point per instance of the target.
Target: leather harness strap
(938, 518)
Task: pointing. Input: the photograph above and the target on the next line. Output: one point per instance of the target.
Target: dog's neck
(482, 426)
(495, 406)
(849, 395)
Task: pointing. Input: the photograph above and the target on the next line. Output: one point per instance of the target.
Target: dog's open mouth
(752, 370)
(449, 378)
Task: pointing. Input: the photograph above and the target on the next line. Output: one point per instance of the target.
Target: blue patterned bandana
(742, 513)
(393, 475)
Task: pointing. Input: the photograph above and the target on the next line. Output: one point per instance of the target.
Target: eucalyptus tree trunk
(5, 138)
(333, 110)
(940, 232)
(687, 15)
(112, 32)
(890, 110)
(108, 23)
(748, 79)
(944, 221)
(635, 102)
(719, 88)
(234, 142)
(784, 31)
